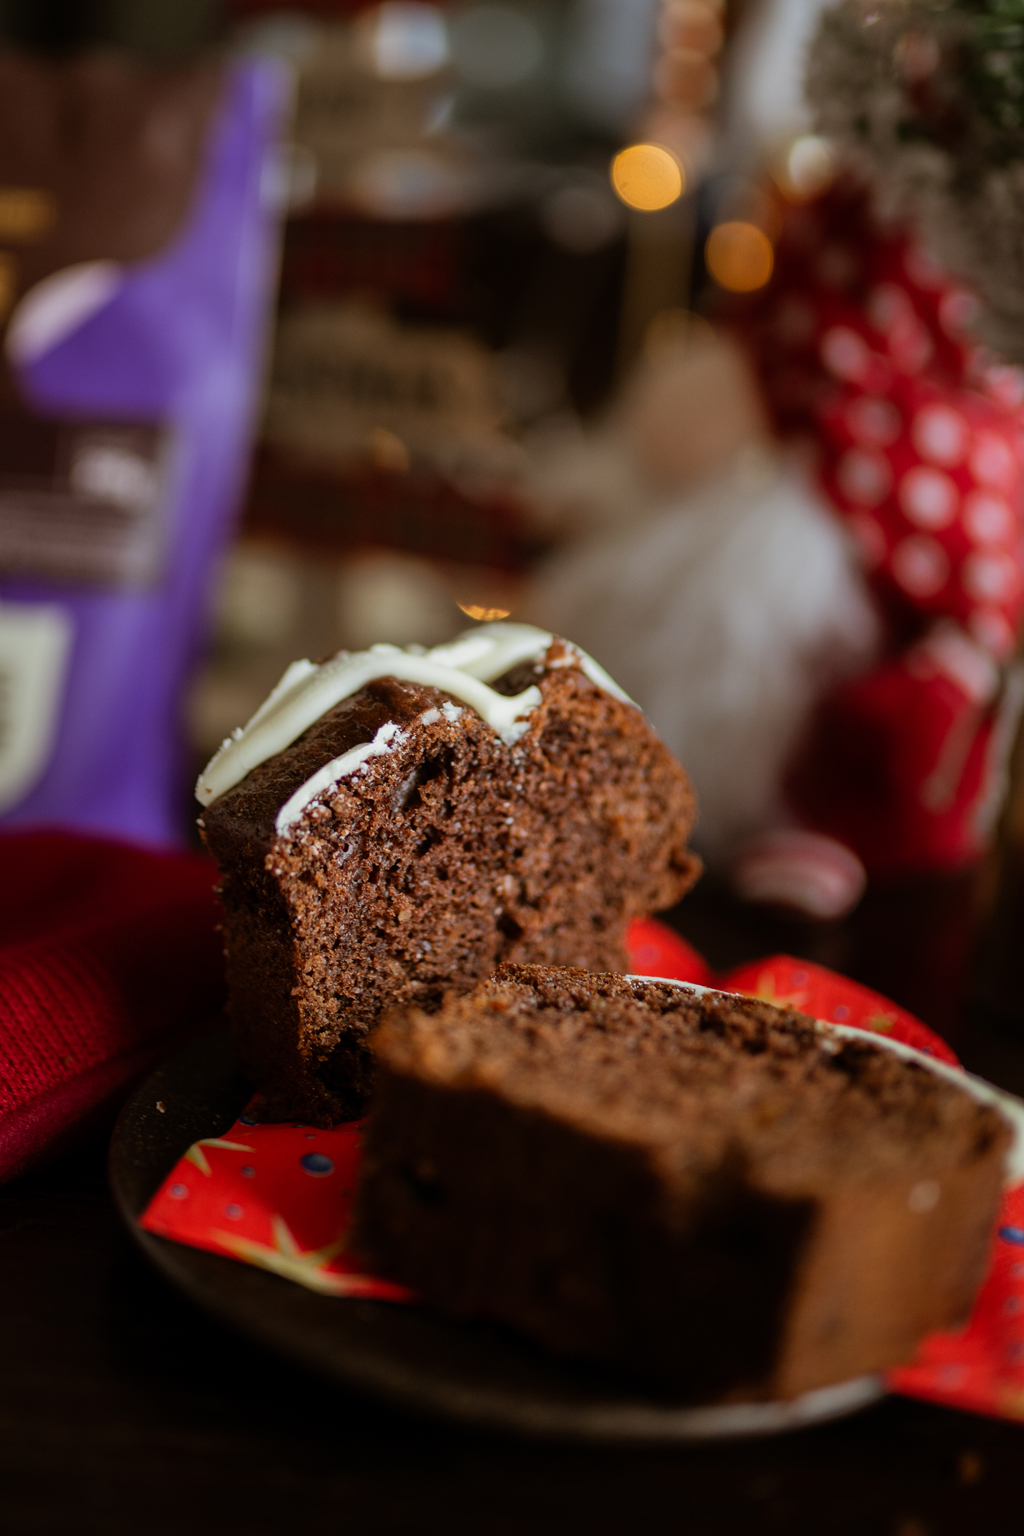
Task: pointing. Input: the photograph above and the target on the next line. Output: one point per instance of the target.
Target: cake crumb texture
(441, 858)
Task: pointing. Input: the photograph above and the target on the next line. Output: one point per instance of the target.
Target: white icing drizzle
(574, 657)
(1011, 1108)
(464, 668)
(386, 740)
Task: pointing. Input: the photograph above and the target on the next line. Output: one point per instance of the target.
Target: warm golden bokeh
(26, 214)
(8, 283)
(739, 256)
(647, 177)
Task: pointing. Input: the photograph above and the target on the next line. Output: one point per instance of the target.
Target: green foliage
(994, 77)
(926, 100)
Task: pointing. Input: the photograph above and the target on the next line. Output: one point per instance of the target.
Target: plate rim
(622, 1418)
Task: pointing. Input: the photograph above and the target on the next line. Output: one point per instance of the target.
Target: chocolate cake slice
(722, 1198)
(393, 824)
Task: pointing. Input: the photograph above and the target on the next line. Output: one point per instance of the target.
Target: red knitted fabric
(108, 954)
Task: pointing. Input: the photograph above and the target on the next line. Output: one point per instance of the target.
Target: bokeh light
(26, 214)
(647, 177)
(402, 40)
(739, 256)
(806, 167)
(8, 283)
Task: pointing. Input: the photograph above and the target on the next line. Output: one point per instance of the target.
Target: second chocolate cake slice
(716, 1195)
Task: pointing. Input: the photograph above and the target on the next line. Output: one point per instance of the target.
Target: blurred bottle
(997, 991)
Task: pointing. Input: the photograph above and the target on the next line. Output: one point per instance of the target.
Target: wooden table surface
(123, 1409)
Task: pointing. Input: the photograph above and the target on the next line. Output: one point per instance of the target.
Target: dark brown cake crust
(705, 1191)
(433, 864)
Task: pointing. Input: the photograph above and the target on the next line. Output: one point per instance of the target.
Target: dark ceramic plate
(406, 1354)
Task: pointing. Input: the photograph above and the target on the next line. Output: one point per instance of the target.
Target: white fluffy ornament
(725, 603)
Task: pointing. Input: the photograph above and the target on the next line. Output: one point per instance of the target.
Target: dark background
(124, 1409)
(159, 27)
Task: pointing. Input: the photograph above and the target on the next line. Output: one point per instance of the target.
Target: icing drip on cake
(465, 668)
(387, 738)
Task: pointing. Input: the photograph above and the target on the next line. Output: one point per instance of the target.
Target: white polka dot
(958, 311)
(992, 630)
(1006, 384)
(993, 461)
(910, 345)
(920, 566)
(864, 478)
(988, 577)
(844, 353)
(888, 304)
(987, 518)
(928, 497)
(875, 423)
(923, 270)
(870, 540)
(939, 434)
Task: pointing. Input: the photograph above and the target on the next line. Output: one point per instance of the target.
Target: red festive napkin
(108, 954)
(279, 1196)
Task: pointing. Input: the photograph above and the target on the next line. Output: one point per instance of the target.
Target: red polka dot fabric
(915, 435)
(280, 1196)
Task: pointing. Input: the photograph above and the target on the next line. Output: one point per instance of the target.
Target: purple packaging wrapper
(177, 349)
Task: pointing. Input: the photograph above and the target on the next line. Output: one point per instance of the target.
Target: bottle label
(83, 501)
(35, 648)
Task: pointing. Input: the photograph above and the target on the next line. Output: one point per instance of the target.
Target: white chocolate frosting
(1011, 1108)
(465, 668)
(386, 740)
